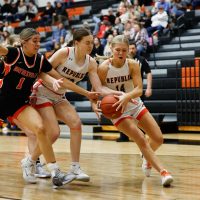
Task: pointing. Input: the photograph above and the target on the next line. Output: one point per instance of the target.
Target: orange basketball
(107, 109)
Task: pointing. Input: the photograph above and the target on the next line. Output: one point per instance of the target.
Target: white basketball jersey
(70, 70)
(119, 78)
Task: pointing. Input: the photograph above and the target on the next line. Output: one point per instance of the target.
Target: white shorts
(135, 109)
(43, 97)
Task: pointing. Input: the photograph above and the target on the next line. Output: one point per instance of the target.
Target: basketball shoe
(60, 178)
(28, 169)
(146, 167)
(79, 173)
(40, 172)
(166, 178)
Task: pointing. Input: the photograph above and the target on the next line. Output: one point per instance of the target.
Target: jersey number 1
(21, 81)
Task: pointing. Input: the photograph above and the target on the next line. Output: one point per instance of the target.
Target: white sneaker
(166, 178)
(28, 168)
(79, 173)
(146, 167)
(40, 172)
(61, 179)
(5, 130)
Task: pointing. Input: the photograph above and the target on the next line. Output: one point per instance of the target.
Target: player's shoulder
(105, 64)
(132, 62)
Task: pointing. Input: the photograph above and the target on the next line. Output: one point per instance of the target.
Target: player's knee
(143, 143)
(75, 124)
(159, 140)
(39, 129)
(55, 136)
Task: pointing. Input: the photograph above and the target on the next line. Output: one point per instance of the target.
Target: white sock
(75, 164)
(29, 159)
(53, 167)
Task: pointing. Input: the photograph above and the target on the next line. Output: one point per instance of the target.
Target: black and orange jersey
(20, 73)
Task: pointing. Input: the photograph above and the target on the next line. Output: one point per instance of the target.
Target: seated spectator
(146, 19)
(159, 21)
(5, 36)
(31, 11)
(110, 16)
(21, 11)
(178, 8)
(97, 48)
(6, 10)
(47, 15)
(102, 29)
(165, 4)
(57, 39)
(8, 27)
(107, 49)
(118, 25)
(140, 38)
(68, 37)
(129, 30)
(123, 14)
(60, 14)
(11, 16)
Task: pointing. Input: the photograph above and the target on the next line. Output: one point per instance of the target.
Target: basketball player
(73, 63)
(122, 74)
(23, 66)
(145, 68)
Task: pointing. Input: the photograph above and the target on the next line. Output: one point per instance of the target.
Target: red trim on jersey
(16, 114)
(43, 105)
(29, 66)
(122, 119)
(145, 110)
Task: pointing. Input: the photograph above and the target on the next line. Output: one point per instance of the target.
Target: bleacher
(179, 43)
(164, 64)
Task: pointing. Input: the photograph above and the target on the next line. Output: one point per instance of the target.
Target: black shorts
(9, 106)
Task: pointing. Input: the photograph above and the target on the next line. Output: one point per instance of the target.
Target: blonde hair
(27, 33)
(120, 39)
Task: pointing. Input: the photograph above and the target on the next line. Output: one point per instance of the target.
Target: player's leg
(31, 119)
(40, 171)
(148, 124)
(66, 113)
(155, 138)
(128, 127)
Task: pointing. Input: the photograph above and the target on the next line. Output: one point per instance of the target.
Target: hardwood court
(115, 170)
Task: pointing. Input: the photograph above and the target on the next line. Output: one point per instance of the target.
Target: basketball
(106, 106)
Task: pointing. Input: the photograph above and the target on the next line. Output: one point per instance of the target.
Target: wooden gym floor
(114, 168)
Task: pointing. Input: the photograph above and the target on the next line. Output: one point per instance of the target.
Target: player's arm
(148, 73)
(72, 86)
(137, 80)
(148, 91)
(96, 82)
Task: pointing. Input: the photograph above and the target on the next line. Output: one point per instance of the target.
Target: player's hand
(148, 92)
(56, 84)
(96, 108)
(123, 101)
(93, 95)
